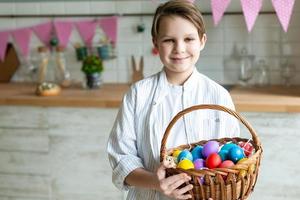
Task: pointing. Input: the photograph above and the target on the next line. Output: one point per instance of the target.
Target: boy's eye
(168, 40)
(189, 39)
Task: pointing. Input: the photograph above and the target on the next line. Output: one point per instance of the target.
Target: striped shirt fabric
(135, 138)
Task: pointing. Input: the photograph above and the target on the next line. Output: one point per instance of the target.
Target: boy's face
(178, 44)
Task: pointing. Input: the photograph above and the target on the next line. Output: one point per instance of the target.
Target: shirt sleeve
(122, 145)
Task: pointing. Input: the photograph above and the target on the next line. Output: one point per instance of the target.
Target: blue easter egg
(185, 154)
(209, 148)
(235, 154)
(228, 146)
(223, 154)
(197, 152)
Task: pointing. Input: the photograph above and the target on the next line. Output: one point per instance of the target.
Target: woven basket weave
(210, 183)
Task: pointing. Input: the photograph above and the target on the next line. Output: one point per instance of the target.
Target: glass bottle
(62, 75)
(43, 73)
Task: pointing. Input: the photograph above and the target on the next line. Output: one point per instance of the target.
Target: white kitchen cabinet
(55, 153)
(279, 171)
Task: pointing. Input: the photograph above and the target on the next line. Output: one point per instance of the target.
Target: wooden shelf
(268, 99)
(109, 95)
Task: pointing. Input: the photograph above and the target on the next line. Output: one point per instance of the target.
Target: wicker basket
(210, 183)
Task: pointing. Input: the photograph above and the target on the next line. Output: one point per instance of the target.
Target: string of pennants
(86, 29)
(59, 29)
(251, 9)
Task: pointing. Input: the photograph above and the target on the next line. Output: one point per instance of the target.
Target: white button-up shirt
(136, 136)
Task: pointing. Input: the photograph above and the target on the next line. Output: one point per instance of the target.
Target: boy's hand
(169, 186)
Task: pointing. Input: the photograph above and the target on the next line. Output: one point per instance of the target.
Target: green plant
(92, 64)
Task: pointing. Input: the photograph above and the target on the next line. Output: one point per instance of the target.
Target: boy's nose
(179, 47)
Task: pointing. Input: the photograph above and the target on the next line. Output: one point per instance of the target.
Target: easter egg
(185, 164)
(176, 152)
(242, 173)
(209, 148)
(199, 163)
(200, 180)
(247, 147)
(197, 152)
(226, 164)
(242, 160)
(185, 154)
(223, 154)
(235, 154)
(228, 146)
(213, 161)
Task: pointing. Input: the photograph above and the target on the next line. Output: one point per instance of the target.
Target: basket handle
(199, 107)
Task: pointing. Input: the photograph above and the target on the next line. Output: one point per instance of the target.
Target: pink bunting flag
(3, 44)
(218, 8)
(109, 26)
(284, 9)
(251, 9)
(63, 31)
(44, 32)
(22, 38)
(86, 30)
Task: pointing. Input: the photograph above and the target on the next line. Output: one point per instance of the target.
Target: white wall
(265, 41)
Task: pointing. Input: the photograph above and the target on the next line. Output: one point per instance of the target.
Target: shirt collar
(162, 86)
(191, 83)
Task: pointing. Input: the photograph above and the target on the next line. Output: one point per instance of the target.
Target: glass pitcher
(246, 67)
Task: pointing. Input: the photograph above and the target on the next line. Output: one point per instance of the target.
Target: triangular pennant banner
(284, 9)
(44, 32)
(3, 44)
(251, 9)
(86, 30)
(109, 26)
(218, 8)
(63, 32)
(22, 39)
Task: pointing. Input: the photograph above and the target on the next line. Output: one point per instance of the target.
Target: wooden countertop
(270, 99)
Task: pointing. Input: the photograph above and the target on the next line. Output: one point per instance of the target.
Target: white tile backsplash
(7, 8)
(128, 6)
(52, 8)
(103, 7)
(27, 8)
(77, 7)
(218, 60)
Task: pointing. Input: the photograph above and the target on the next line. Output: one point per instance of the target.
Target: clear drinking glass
(262, 74)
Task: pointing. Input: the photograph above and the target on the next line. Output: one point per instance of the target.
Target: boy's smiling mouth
(178, 59)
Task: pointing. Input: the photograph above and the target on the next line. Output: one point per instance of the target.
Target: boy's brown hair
(181, 8)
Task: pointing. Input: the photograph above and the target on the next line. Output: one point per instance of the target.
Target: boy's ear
(154, 42)
(203, 41)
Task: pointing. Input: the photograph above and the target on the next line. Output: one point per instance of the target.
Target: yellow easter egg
(242, 173)
(242, 160)
(176, 153)
(185, 164)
